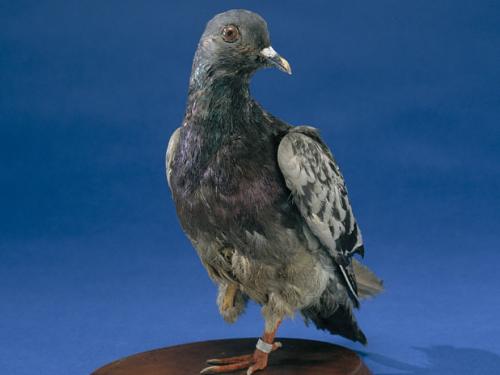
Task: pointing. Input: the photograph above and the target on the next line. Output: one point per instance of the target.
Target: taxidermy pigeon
(263, 202)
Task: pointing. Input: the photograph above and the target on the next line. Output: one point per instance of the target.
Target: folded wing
(319, 191)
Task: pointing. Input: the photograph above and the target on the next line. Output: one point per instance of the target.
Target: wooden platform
(295, 357)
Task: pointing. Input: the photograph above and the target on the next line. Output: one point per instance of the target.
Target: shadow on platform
(442, 360)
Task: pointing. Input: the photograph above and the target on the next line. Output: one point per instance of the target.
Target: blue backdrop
(93, 263)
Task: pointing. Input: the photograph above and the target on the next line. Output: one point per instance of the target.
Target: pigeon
(263, 202)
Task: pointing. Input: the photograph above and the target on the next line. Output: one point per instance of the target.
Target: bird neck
(217, 97)
(218, 108)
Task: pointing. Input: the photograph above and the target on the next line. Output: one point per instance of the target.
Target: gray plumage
(263, 203)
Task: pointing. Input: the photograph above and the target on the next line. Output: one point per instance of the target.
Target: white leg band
(264, 346)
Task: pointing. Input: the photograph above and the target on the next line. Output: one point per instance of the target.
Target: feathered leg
(253, 362)
(232, 301)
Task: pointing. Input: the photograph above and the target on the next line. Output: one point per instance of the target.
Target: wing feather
(319, 191)
(169, 157)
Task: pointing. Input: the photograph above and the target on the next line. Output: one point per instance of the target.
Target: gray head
(236, 42)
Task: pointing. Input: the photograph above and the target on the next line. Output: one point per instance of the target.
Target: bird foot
(252, 362)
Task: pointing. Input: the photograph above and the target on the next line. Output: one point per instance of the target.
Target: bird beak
(275, 59)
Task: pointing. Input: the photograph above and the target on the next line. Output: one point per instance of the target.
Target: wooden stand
(297, 357)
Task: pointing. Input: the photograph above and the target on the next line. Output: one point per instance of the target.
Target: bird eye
(230, 33)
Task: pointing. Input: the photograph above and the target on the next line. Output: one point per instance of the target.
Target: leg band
(264, 346)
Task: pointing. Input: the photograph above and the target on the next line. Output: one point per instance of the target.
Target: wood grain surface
(295, 357)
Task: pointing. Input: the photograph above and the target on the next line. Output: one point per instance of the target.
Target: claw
(207, 370)
(227, 368)
(251, 370)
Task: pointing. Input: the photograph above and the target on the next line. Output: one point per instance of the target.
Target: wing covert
(319, 191)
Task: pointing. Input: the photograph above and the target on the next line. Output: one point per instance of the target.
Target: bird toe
(226, 368)
(230, 360)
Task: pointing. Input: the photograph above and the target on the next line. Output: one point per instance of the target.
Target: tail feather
(339, 322)
(369, 285)
(333, 313)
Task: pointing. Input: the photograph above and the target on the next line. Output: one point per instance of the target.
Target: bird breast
(236, 185)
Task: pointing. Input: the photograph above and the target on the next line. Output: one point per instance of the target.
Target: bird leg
(228, 300)
(253, 362)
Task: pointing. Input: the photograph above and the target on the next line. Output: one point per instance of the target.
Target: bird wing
(318, 189)
(172, 146)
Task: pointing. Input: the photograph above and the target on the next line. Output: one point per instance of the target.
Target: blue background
(93, 263)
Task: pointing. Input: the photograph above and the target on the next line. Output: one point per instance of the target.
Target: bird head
(236, 42)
